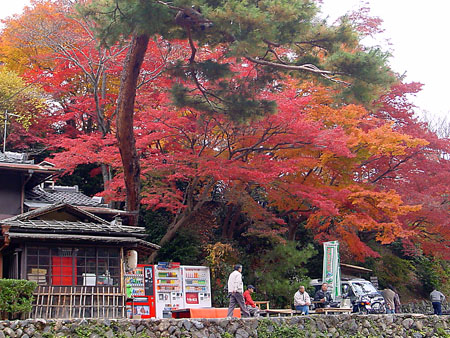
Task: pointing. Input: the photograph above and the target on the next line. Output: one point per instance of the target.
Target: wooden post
(71, 301)
(64, 309)
(98, 301)
(122, 272)
(38, 300)
(115, 311)
(122, 286)
(49, 302)
(81, 302)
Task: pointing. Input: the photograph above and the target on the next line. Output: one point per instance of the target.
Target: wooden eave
(355, 268)
(54, 226)
(142, 245)
(38, 173)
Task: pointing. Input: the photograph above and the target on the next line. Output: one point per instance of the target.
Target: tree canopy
(273, 37)
(252, 123)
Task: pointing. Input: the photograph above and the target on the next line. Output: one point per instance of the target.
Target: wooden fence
(79, 302)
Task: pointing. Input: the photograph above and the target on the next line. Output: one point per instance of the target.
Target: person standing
(389, 296)
(251, 306)
(235, 291)
(437, 298)
(397, 303)
(322, 296)
(302, 301)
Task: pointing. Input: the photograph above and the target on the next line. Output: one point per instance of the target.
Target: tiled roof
(10, 157)
(35, 225)
(33, 214)
(69, 195)
(37, 221)
(66, 227)
(19, 163)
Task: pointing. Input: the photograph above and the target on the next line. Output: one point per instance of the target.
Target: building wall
(10, 193)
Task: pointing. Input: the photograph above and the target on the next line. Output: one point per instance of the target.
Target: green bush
(394, 270)
(284, 269)
(434, 273)
(16, 297)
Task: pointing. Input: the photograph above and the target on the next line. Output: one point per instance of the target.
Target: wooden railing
(79, 302)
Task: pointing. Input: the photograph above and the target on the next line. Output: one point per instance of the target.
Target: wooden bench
(334, 310)
(282, 312)
(262, 302)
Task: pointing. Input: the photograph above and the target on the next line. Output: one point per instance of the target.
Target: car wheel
(363, 310)
(378, 308)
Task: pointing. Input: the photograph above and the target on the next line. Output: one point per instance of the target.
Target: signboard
(141, 310)
(331, 268)
(191, 298)
(374, 281)
(148, 280)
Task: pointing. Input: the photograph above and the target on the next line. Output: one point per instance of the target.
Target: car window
(346, 289)
(362, 288)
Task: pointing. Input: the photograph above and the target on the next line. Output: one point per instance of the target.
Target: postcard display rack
(197, 286)
(169, 289)
(140, 288)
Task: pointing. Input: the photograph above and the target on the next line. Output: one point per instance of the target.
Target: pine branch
(306, 67)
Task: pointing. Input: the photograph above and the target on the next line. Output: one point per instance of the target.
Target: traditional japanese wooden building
(76, 257)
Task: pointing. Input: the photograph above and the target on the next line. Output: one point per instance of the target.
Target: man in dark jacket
(322, 296)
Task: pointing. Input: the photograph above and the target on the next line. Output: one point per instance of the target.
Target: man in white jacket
(235, 292)
(302, 301)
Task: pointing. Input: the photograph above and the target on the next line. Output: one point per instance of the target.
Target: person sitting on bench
(302, 301)
(322, 296)
(251, 306)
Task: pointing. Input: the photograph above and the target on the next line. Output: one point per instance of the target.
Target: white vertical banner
(332, 268)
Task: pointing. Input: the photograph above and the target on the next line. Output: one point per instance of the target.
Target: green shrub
(394, 270)
(220, 259)
(284, 269)
(16, 297)
(427, 273)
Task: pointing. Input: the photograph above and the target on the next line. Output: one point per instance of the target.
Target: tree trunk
(171, 232)
(188, 213)
(234, 212)
(226, 221)
(293, 225)
(292, 229)
(125, 118)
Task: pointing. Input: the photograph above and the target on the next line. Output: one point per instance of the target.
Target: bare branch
(306, 67)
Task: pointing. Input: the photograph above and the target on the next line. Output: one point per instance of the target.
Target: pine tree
(274, 37)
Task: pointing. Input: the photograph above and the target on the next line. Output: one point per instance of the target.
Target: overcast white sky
(418, 33)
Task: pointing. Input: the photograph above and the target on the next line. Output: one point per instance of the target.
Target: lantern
(132, 259)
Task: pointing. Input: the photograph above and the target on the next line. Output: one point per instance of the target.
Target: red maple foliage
(346, 172)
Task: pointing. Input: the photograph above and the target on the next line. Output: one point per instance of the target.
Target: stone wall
(423, 307)
(393, 326)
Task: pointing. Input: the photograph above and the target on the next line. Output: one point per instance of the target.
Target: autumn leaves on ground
(235, 132)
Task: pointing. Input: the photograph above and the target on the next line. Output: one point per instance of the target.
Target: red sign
(191, 298)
